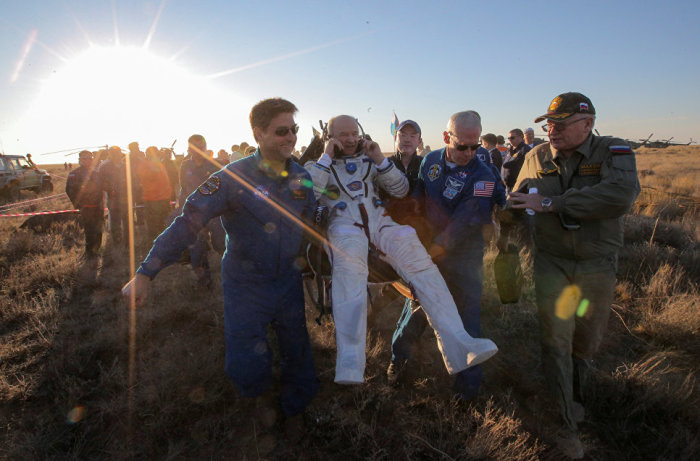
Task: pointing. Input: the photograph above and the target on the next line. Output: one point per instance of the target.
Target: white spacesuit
(348, 186)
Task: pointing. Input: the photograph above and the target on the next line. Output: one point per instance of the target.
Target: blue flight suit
(458, 202)
(261, 214)
(484, 155)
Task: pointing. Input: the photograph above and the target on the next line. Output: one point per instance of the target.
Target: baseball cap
(567, 104)
(409, 122)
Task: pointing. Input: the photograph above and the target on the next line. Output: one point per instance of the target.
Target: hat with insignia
(566, 105)
(411, 123)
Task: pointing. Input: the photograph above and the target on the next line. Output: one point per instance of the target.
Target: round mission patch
(210, 186)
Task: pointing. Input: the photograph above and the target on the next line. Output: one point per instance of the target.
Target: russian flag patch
(483, 189)
(620, 150)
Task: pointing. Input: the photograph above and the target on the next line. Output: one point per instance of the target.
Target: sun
(114, 95)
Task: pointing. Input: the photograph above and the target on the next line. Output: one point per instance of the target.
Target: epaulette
(620, 150)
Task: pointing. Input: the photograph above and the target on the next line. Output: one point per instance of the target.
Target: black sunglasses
(463, 147)
(284, 130)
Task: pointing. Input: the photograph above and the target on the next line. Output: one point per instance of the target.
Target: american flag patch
(483, 189)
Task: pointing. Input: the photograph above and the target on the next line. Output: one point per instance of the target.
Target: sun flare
(118, 94)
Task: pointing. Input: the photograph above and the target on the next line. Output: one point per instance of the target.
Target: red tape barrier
(17, 215)
(36, 213)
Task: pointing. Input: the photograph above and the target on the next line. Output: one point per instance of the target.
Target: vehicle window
(23, 163)
(12, 163)
(2, 164)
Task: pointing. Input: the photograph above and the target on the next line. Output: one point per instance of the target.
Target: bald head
(341, 122)
(468, 119)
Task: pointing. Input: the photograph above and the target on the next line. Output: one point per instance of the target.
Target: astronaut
(264, 201)
(346, 178)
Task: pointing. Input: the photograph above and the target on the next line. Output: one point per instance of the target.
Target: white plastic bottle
(530, 211)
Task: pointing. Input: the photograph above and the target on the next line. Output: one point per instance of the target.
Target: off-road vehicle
(17, 174)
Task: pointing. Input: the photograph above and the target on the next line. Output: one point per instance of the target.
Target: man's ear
(446, 137)
(256, 133)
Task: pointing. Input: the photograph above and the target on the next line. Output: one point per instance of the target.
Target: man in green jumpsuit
(585, 184)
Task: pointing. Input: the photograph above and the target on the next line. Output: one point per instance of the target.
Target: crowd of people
(424, 212)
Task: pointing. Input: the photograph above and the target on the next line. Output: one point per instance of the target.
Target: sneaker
(393, 373)
(569, 444)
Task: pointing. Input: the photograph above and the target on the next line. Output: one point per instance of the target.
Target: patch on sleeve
(297, 189)
(483, 189)
(211, 186)
(434, 171)
(620, 150)
(589, 169)
(550, 171)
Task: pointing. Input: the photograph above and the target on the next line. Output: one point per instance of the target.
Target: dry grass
(64, 360)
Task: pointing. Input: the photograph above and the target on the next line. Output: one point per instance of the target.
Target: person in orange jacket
(156, 189)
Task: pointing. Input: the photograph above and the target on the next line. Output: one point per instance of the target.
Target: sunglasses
(463, 147)
(284, 130)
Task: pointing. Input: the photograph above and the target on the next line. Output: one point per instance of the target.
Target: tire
(13, 193)
(46, 186)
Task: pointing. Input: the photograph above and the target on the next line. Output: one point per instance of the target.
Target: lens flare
(76, 414)
(582, 307)
(567, 302)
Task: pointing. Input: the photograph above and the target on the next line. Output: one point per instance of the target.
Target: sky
(81, 74)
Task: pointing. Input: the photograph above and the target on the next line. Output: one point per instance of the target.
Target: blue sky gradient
(638, 61)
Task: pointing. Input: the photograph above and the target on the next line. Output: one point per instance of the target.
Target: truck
(18, 174)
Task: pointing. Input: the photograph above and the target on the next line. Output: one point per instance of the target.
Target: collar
(265, 168)
(518, 147)
(469, 166)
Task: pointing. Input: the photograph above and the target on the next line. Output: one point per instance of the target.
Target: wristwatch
(546, 203)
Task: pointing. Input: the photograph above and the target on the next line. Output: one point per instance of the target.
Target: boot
(480, 350)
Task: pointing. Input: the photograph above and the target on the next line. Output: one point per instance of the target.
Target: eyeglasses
(560, 126)
(463, 147)
(284, 130)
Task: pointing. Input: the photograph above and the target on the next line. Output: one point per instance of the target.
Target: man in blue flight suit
(264, 201)
(458, 192)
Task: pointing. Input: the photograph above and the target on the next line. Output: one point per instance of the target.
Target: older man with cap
(585, 184)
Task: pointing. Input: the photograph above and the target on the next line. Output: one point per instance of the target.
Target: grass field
(65, 360)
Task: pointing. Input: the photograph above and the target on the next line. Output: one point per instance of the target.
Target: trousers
(573, 307)
(410, 260)
(463, 274)
(249, 307)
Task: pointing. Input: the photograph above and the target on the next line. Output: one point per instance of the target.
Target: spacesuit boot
(410, 259)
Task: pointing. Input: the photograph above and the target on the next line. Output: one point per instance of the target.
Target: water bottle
(531, 212)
